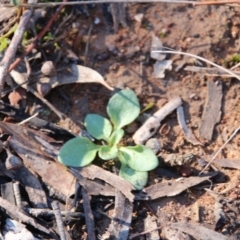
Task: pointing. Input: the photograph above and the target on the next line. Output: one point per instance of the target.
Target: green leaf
(98, 126)
(4, 43)
(107, 152)
(116, 137)
(136, 178)
(140, 158)
(15, 2)
(78, 152)
(123, 108)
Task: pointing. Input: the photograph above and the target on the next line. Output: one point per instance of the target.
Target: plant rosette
(123, 108)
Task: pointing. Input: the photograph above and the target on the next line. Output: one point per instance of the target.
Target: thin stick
(58, 216)
(220, 149)
(17, 194)
(200, 58)
(12, 49)
(89, 218)
(53, 4)
(216, 2)
(38, 212)
(28, 119)
(150, 127)
(143, 233)
(87, 44)
(45, 101)
(210, 71)
(18, 214)
(235, 66)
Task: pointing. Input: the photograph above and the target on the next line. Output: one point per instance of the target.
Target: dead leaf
(174, 187)
(212, 109)
(187, 132)
(32, 153)
(160, 66)
(228, 163)
(78, 74)
(95, 172)
(198, 231)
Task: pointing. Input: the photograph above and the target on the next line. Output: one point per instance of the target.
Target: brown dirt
(204, 31)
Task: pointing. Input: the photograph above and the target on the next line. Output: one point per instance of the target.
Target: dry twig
(12, 49)
(200, 58)
(53, 4)
(150, 127)
(88, 215)
(20, 215)
(58, 216)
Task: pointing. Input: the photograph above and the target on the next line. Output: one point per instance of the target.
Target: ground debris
(93, 187)
(23, 142)
(173, 187)
(150, 223)
(94, 172)
(187, 132)
(15, 230)
(198, 231)
(150, 127)
(88, 215)
(212, 109)
(19, 214)
(177, 159)
(228, 163)
(119, 15)
(122, 217)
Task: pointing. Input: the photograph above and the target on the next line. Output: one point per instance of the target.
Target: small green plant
(235, 58)
(123, 108)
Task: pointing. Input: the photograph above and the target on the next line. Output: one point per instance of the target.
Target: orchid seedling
(123, 108)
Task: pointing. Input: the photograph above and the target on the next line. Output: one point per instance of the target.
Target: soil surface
(123, 59)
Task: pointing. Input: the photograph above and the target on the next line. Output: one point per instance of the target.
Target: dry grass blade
(220, 149)
(202, 59)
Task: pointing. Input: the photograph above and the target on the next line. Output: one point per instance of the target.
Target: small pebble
(164, 31)
(48, 68)
(97, 21)
(225, 231)
(186, 171)
(75, 25)
(154, 144)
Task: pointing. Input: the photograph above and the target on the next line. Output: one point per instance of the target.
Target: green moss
(235, 58)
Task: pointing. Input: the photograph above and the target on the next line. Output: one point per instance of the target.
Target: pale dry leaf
(78, 74)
